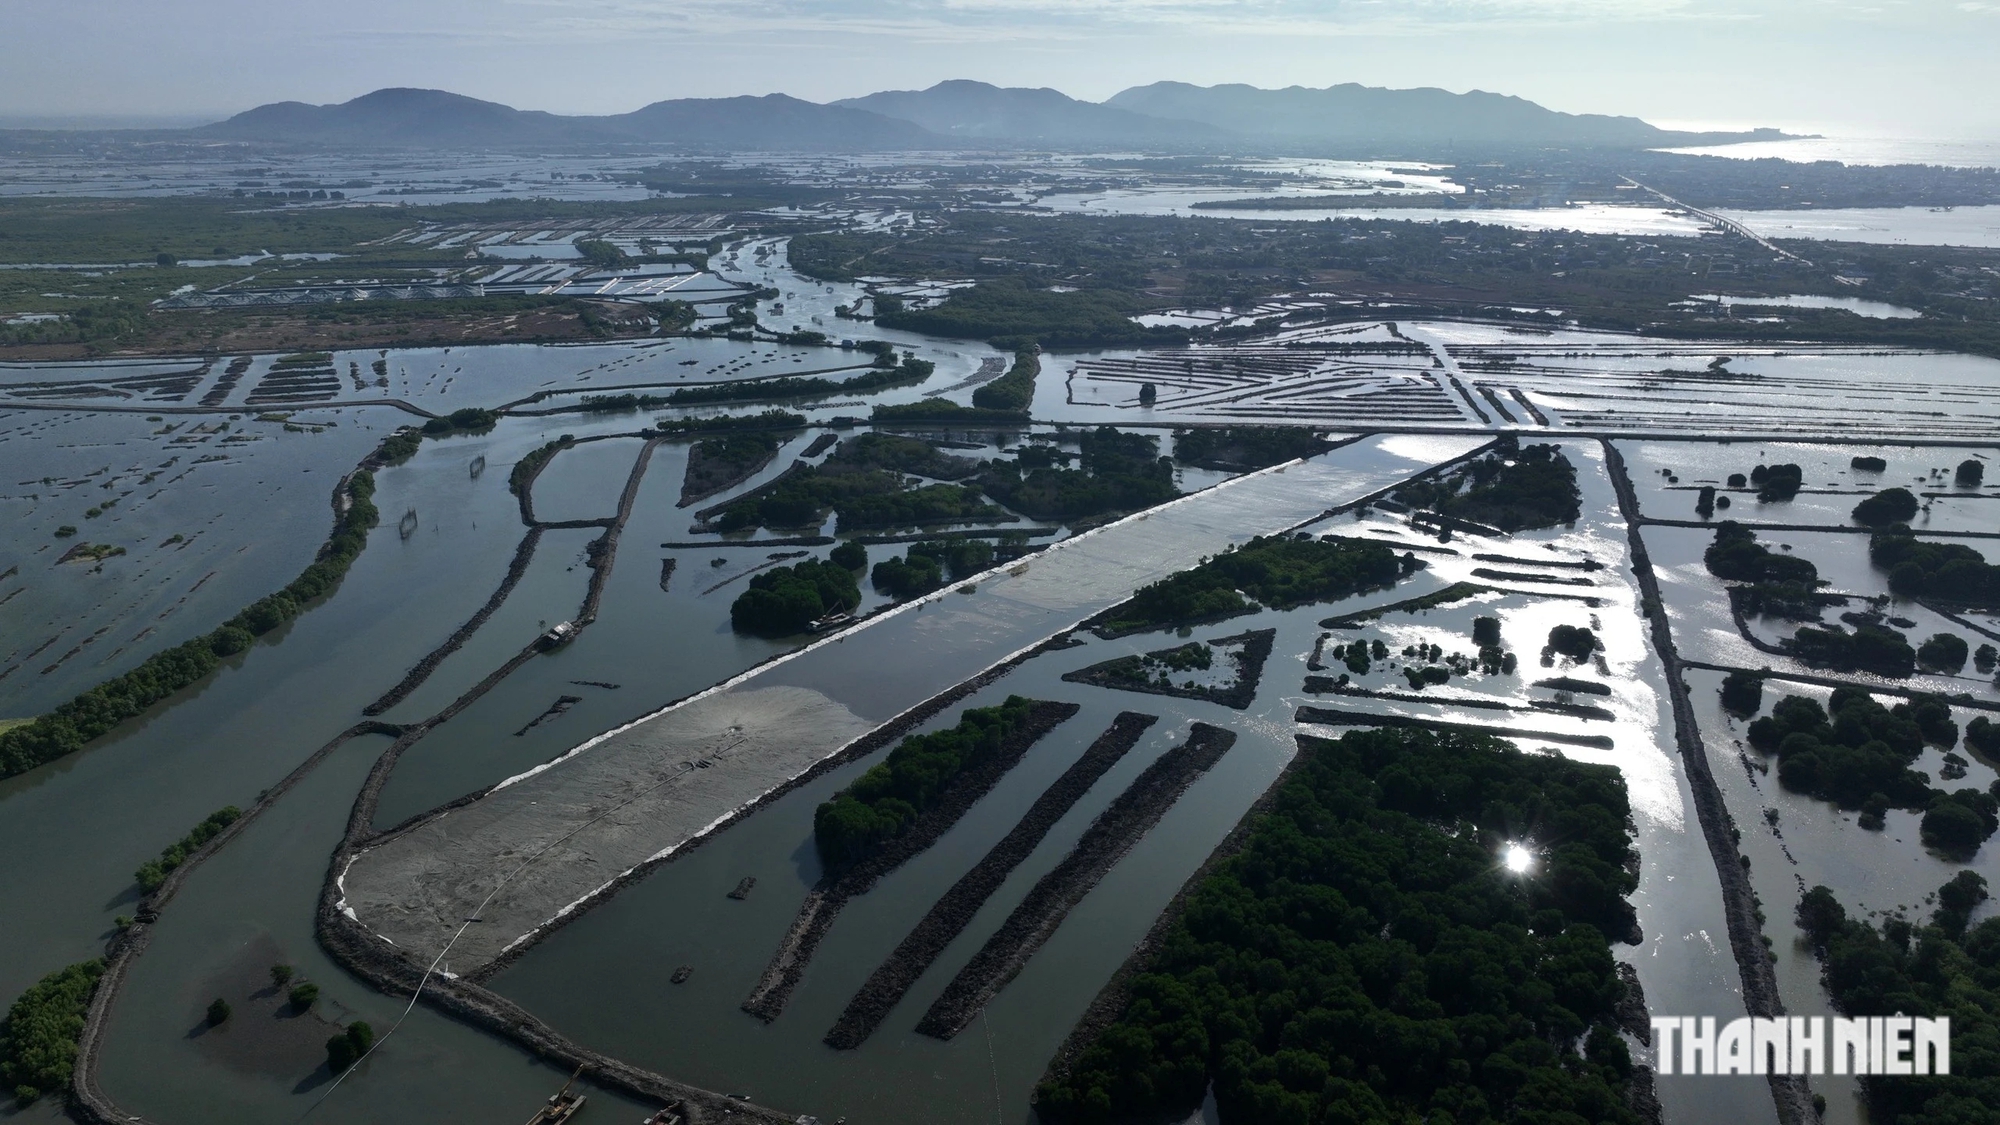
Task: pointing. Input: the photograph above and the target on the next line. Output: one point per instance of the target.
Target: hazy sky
(1917, 68)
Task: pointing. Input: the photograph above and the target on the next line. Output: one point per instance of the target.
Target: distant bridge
(1730, 225)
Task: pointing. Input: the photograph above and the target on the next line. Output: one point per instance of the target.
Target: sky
(1909, 68)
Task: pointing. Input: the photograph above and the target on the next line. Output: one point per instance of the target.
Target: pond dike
(534, 851)
(955, 909)
(825, 902)
(1128, 818)
(1790, 1094)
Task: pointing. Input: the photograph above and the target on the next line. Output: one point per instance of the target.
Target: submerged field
(594, 804)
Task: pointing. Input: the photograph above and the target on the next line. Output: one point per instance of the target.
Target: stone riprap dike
(536, 849)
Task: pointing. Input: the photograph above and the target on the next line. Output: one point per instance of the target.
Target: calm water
(129, 794)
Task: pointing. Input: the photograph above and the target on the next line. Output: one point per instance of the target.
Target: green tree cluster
(38, 1039)
(90, 322)
(909, 577)
(465, 420)
(155, 871)
(1006, 310)
(1947, 571)
(400, 446)
(1869, 648)
(943, 410)
(1889, 506)
(1858, 754)
(75, 722)
(1983, 735)
(676, 316)
(1944, 652)
(599, 253)
(1243, 448)
(768, 420)
(1120, 472)
(1513, 488)
(1573, 641)
(1276, 570)
(902, 454)
(1946, 968)
(910, 370)
(1781, 585)
(863, 483)
(346, 1046)
(1016, 389)
(1367, 958)
(531, 463)
(1777, 482)
(926, 564)
(1742, 693)
(785, 601)
(882, 802)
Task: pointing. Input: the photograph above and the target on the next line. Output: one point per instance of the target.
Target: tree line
(1367, 957)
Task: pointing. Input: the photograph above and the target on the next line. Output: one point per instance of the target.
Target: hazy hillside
(982, 111)
(1352, 113)
(1165, 115)
(437, 119)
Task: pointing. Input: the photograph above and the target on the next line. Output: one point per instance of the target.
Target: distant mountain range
(406, 118)
(960, 114)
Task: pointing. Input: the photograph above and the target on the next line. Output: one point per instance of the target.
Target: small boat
(681, 974)
(559, 634)
(562, 1106)
(478, 466)
(407, 526)
(669, 1115)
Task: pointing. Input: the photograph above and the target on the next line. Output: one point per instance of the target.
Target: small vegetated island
(1891, 505)
(1513, 488)
(1154, 672)
(1946, 968)
(888, 372)
(926, 565)
(882, 803)
(1788, 587)
(790, 599)
(1008, 309)
(1016, 389)
(1245, 448)
(724, 462)
(867, 483)
(1947, 572)
(1859, 754)
(1371, 955)
(39, 1036)
(1774, 584)
(1119, 472)
(1278, 571)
